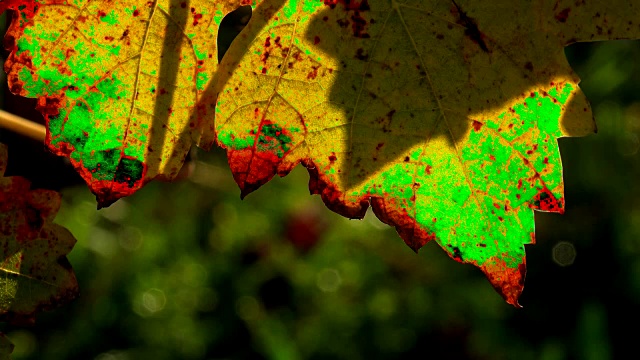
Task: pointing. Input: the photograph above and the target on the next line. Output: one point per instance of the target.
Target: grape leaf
(36, 273)
(443, 116)
(6, 347)
(120, 83)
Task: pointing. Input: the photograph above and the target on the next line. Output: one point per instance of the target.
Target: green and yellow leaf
(120, 83)
(441, 116)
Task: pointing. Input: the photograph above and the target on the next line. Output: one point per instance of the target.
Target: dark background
(188, 271)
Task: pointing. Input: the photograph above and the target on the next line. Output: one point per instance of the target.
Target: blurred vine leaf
(443, 116)
(121, 84)
(36, 273)
(6, 347)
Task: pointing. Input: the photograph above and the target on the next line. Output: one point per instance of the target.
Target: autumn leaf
(121, 83)
(36, 273)
(443, 116)
(6, 347)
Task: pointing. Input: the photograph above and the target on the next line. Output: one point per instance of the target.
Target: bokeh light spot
(328, 280)
(564, 253)
(154, 300)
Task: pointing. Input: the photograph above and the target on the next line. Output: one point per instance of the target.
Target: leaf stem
(22, 126)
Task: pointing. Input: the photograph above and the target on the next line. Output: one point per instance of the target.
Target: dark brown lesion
(34, 218)
(471, 27)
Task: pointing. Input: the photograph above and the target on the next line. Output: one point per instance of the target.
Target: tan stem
(22, 126)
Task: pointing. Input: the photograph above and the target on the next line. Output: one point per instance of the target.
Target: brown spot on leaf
(528, 66)
(360, 55)
(563, 15)
(354, 17)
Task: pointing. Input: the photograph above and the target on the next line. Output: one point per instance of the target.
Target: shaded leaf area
(441, 116)
(6, 347)
(36, 274)
(120, 84)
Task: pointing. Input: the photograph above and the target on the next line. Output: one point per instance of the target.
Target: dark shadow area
(170, 61)
(405, 79)
(230, 27)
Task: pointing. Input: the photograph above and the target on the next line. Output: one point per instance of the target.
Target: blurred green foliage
(189, 271)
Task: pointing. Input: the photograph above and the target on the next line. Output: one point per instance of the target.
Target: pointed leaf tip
(508, 280)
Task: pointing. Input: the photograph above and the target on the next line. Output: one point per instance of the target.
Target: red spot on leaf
(354, 17)
(563, 15)
(196, 19)
(264, 57)
(477, 125)
(314, 72)
(546, 201)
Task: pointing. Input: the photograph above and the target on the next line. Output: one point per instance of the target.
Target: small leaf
(36, 273)
(6, 347)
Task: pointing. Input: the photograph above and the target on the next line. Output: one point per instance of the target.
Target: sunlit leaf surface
(442, 116)
(120, 83)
